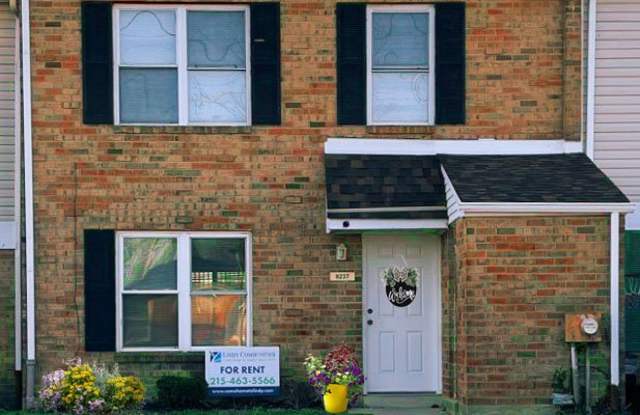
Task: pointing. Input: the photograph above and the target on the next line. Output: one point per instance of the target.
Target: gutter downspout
(28, 202)
(615, 216)
(591, 78)
(17, 312)
(615, 298)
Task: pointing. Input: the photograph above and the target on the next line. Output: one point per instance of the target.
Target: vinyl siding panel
(617, 110)
(453, 201)
(7, 112)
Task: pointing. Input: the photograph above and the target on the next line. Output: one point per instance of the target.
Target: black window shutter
(450, 63)
(97, 63)
(265, 63)
(352, 63)
(99, 290)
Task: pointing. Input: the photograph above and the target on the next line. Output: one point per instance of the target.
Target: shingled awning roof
(406, 188)
(384, 187)
(549, 178)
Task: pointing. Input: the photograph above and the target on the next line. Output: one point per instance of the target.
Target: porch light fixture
(341, 252)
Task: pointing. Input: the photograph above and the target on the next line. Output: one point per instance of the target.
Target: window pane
(217, 264)
(148, 95)
(216, 39)
(150, 264)
(147, 37)
(400, 39)
(217, 96)
(400, 97)
(150, 320)
(218, 320)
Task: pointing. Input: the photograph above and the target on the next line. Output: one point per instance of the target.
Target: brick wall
(517, 279)
(269, 180)
(7, 377)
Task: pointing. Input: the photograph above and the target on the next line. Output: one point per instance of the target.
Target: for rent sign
(243, 371)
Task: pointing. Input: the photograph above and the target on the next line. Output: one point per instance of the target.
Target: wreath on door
(401, 285)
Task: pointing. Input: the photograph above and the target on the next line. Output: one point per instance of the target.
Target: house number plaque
(342, 276)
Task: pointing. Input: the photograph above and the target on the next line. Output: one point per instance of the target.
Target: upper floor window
(400, 65)
(184, 65)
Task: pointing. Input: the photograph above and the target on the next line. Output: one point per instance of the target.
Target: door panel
(402, 343)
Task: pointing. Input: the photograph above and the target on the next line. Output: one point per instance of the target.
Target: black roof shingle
(378, 181)
(372, 181)
(550, 178)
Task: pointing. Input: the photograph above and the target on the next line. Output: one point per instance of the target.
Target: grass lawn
(257, 411)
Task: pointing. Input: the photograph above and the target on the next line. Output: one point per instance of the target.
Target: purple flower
(96, 405)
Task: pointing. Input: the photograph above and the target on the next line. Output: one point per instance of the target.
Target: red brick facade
(523, 82)
(516, 279)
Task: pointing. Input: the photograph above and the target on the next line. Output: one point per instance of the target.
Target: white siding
(7, 112)
(453, 201)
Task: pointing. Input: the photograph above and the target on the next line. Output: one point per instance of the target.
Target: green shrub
(179, 392)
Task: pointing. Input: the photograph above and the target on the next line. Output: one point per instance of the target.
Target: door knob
(369, 322)
(369, 311)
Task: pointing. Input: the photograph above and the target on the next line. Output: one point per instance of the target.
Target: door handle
(369, 311)
(369, 322)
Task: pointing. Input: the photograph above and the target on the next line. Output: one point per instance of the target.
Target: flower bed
(81, 388)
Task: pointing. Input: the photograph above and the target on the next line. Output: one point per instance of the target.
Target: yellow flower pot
(336, 398)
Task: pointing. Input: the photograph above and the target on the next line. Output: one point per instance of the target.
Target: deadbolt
(369, 311)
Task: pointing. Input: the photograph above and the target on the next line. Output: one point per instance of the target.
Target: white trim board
(389, 209)
(458, 209)
(614, 295)
(632, 220)
(350, 225)
(405, 147)
(8, 235)
(591, 78)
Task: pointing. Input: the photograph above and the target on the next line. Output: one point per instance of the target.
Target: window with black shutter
(401, 64)
(99, 290)
(181, 64)
(97, 63)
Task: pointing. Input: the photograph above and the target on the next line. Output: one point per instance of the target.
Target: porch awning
(547, 178)
(428, 191)
(365, 189)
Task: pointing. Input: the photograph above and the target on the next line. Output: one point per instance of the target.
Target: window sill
(400, 129)
(180, 129)
(155, 357)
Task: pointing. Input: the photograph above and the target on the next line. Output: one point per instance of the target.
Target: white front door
(402, 343)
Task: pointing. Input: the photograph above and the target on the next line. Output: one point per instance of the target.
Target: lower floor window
(183, 290)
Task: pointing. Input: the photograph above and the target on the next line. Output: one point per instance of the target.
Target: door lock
(369, 311)
(369, 322)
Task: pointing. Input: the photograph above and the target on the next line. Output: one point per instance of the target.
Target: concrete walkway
(401, 404)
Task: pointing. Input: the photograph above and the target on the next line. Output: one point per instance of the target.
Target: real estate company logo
(215, 357)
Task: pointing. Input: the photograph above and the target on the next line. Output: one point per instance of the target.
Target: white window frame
(183, 287)
(402, 8)
(181, 60)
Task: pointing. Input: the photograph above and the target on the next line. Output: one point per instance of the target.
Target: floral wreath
(394, 275)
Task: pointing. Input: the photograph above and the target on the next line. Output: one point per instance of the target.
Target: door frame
(365, 255)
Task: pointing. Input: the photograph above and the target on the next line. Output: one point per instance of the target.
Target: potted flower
(338, 378)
